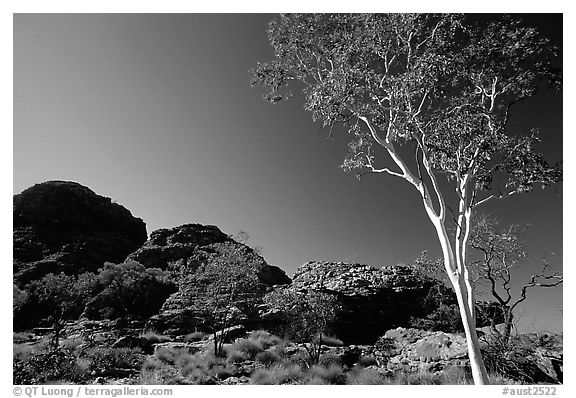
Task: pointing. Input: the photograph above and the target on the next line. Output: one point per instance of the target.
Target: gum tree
(425, 98)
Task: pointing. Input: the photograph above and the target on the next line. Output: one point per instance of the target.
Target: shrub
(456, 375)
(417, 378)
(269, 357)
(105, 358)
(330, 359)
(195, 336)
(128, 289)
(441, 318)
(265, 338)
(73, 345)
(307, 316)
(156, 372)
(166, 355)
(42, 368)
(154, 337)
(236, 356)
(363, 376)
(248, 346)
(52, 299)
(315, 381)
(278, 374)
(331, 374)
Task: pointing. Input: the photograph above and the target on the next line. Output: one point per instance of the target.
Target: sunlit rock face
(63, 226)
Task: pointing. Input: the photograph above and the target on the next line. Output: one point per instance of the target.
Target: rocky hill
(62, 226)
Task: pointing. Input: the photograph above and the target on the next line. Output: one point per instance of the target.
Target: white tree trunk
(469, 321)
(465, 297)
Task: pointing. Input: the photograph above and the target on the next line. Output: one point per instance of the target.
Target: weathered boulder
(205, 262)
(371, 300)
(62, 226)
(412, 350)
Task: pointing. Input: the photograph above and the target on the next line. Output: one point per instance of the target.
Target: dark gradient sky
(156, 112)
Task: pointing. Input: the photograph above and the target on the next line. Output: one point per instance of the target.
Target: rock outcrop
(200, 257)
(372, 300)
(62, 226)
(413, 350)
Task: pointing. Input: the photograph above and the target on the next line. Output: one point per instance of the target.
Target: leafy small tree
(227, 289)
(432, 95)
(128, 290)
(52, 300)
(244, 238)
(307, 315)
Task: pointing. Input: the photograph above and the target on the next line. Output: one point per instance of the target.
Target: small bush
(156, 372)
(43, 368)
(72, 344)
(456, 375)
(154, 337)
(167, 355)
(332, 374)
(266, 339)
(105, 358)
(235, 356)
(418, 378)
(195, 336)
(315, 381)
(330, 359)
(363, 376)
(262, 377)
(269, 357)
(249, 346)
(278, 374)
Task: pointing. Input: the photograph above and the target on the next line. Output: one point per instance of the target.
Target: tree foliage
(227, 288)
(128, 290)
(308, 315)
(438, 83)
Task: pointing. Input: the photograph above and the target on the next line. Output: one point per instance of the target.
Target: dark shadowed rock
(372, 300)
(62, 226)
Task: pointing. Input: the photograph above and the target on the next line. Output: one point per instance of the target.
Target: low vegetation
(257, 358)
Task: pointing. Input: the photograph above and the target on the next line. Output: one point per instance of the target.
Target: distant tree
(243, 237)
(308, 316)
(500, 252)
(52, 300)
(128, 290)
(227, 289)
(433, 94)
